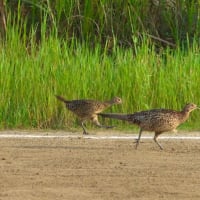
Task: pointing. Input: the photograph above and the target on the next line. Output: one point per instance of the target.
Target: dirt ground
(79, 169)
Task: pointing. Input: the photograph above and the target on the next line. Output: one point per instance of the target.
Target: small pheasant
(156, 120)
(88, 109)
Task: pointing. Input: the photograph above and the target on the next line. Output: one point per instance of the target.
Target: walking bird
(156, 120)
(86, 109)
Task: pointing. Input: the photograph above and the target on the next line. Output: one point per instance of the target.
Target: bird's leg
(138, 140)
(155, 139)
(103, 126)
(96, 122)
(84, 130)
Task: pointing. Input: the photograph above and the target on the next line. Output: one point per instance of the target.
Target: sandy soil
(77, 169)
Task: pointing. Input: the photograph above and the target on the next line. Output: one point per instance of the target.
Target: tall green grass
(30, 76)
(32, 71)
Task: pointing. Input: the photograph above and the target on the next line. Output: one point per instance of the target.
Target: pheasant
(86, 109)
(156, 120)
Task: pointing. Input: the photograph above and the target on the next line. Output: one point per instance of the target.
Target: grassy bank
(30, 75)
(147, 53)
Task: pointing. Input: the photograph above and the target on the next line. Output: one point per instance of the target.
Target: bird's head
(190, 107)
(117, 100)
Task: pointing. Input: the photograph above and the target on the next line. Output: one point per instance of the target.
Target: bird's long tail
(123, 117)
(61, 99)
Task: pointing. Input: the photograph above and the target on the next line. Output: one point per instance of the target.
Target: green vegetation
(117, 22)
(145, 73)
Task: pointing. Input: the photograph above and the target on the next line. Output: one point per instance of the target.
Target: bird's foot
(109, 126)
(104, 126)
(136, 141)
(85, 133)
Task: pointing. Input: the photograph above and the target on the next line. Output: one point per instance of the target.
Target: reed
(30, 78)
(33, 70)
(165, 22)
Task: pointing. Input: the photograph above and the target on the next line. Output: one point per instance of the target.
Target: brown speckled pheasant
(156, 120)
(86, 109)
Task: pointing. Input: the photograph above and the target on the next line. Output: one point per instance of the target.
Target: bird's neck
(184, 116)
(109, 102)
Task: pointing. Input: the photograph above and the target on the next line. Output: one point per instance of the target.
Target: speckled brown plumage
(156, 120)
(86, 109)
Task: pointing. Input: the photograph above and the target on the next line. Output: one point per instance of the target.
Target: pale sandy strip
(96, 137)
